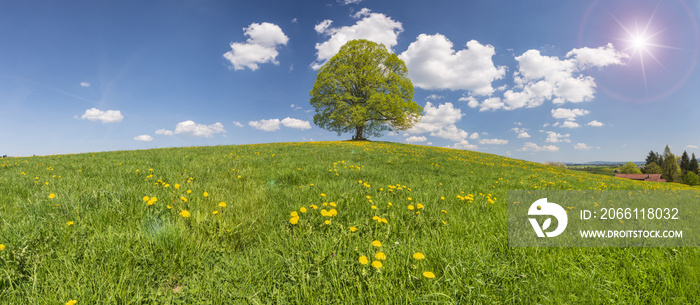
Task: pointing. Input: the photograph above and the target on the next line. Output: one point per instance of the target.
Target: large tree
(630, 168)
(654, 157)
(366, 90)
(694, 165)
(670, 169)
(685, 162)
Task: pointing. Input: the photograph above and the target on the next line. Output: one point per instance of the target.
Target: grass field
(597, 169)
(88, 227)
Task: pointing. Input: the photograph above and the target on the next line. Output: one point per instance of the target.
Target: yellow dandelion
(428, 275)
(302, 209)
(353, 229)
(294, 220)
(313, 206)
(183, 199)
(442, 198)
(443, 211)
(375, 217)
(2, 247)
(70, 223)
(145, 198)
(177, 186)
(185, 213)
(323, 195)
(374, 207)
(189, 191)
(324, 213)
(206, 194)
(333, 204)
(419, 206)
(418, 256)
(363, 260)
(377, 243)
(168, 206)
(222, 204)
(72, 302)
(410, 207)
(409, 198)
(166, 185)
(327, 222)
(380, 256)
(443, 222)
(52, 196)
(384, 220)
(377, 264)
(215, 212)
(47, 183)
(333, 213)
(294, 214)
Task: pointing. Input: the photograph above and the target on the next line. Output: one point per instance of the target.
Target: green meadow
(305, 223)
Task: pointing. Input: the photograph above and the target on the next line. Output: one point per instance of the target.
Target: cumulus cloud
(464, 144)
(295, 123)
(553, 137)
(433, 63)
(260, 47)
(164, 132)
(415, 139)
(522, 132)
(595, 124)
(374, 27)
(529, 146)
(436, 118)
(569, 114)
(569, 124)
(109, 116)
(237, 124)
(144, 138)
(266, 125)
(84, 84)
(493, 141)
(582, 146)
(692, 146)
(193, 129)
(346, 2)
(434, 97)
(362, 13)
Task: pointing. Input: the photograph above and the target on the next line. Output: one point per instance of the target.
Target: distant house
(642, 177)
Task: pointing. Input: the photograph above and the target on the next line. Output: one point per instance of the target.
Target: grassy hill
(216, 225)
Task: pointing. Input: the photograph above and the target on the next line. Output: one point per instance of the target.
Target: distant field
(596, 169)
(303, 223)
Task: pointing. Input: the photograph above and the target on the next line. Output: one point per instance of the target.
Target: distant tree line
(681, 169)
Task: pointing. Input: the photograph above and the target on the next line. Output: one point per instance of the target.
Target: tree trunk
(358, 133)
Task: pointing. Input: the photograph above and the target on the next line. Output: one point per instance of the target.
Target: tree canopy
(366, 90)
(630, 168)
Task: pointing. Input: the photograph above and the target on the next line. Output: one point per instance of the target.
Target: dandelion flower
(206, 194)
(185, 213)
(442, 198)
(443, 211)
(374, 207)
(418, 256)
(294, 220)
(363, 260)
(72, 302)
(409, 199)
(294, 214)
(333, 212)
(215, 212)
(375, 217)
(333, 204)
(377, 243)
(419, 206)
(189, 191)
(428, 275)
(70, 223)
(327, 222)
(302, 209)
(168, 206)
(145, 198)
(313, 206)
(177, 186)
(324, 213)
(353, 229)
(410, 207)
(222, 204)
(183, 199)
(2, 247)
(384, 220)
(377, 264)
(380, 256)
(52, 196)
(323, 195)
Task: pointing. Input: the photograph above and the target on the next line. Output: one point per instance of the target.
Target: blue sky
(536, 80)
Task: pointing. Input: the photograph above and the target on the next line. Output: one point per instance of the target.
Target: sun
(639, 42)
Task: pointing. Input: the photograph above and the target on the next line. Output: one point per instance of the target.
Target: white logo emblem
(542, 207)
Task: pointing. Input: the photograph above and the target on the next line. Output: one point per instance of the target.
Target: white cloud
(569, 114)
(109, 116)
(474, 136)
(295, 20)
(237, 124)
(375, 27)
(165, 132)
(346, 2)
(471, 101)
(598, 57)
(582, 146)
(569, 124)
(84, 84)
(144, 138)
(493, 141)
(295, 123)
(595, 124)
(522, 133)
(553, 137)
(492, 103)
(434, 97)
(529, 146)
(362, 13)
(451, 132)
(266, 125)
(436, 118)
(415, 139)
(260, 47)
(464, 144)
(692, 146)
(433, 64)
(193, 129)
